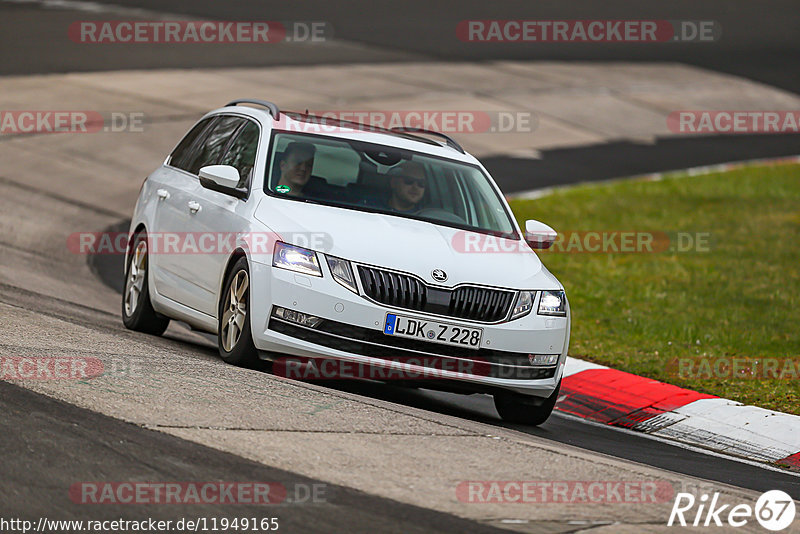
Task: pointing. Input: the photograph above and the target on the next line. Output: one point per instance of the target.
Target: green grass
(639, 312)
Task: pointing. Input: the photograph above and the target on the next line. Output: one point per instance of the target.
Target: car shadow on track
(475, 407)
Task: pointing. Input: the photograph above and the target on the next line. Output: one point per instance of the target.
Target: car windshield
(357, 175)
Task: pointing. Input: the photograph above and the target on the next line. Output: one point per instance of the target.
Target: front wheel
(523, 409)
(234, 337)
(137, 310)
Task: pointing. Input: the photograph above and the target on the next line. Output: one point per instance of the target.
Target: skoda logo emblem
(439, 275)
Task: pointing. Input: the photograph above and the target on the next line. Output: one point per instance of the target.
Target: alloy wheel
(235, 311)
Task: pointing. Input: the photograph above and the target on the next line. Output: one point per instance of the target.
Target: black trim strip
(374, 344)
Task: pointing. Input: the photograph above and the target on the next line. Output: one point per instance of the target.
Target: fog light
(297, 317)
(543, 359)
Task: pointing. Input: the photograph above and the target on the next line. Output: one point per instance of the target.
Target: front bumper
(352, 330)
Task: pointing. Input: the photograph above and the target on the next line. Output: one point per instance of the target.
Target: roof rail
(273, 108)
(450, 141)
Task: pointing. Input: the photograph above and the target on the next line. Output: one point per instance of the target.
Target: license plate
(433, 331)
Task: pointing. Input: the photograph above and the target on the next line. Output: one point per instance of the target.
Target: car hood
(407, 245)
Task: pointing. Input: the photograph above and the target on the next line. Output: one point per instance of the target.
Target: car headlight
(296, 259)
(523, 304)
(553, 303)
(342, 272)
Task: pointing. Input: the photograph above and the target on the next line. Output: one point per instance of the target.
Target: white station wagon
(292, 236)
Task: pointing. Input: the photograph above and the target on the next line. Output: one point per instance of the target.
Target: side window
(181, 156)
(214, 143)
(242, 153)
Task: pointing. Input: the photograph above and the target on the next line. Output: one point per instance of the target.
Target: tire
(137, 310)
(234, 336)
(523, 409)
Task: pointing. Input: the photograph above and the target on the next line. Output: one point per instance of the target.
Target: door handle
(163, 194)
(194, 207)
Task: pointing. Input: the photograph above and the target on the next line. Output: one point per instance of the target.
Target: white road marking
(97, 7)
(678, 444)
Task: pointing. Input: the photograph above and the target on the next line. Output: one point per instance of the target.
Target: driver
(296, 165)
(408, 183)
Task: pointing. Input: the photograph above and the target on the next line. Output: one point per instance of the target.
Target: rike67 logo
(774, 510)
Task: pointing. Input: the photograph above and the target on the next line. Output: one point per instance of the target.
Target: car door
(223, 216)
(176, 223)
(171, 182)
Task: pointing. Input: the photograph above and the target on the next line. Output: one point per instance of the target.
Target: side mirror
(539, 235)
(223, 179)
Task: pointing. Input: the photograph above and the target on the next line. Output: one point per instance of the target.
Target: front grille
(394, 289)
(479, 303)
(405, 291)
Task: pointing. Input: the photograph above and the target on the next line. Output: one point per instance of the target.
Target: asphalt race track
(84, 443)
(142, 431)
(560, 428)
(759, 42)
